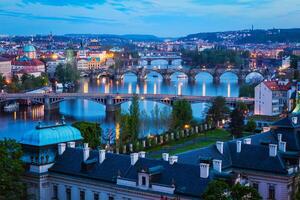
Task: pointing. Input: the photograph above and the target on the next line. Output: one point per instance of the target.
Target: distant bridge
(111, 101)
(166, 74)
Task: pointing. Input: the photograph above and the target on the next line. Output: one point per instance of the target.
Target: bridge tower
(216, 77)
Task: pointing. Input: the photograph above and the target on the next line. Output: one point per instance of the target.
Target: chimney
(165, 156)
(204, 170)
(217, 165)
(273, 150)
(71, 144)
(101, 155)
(238, 146)
(142, 154)
(247, 141)
(134, 158)
(279, 137)
(220, 146)
(61, 148)
(173, 159)
(282, 146)
(86, 151)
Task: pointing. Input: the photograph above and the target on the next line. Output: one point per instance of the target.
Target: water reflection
(14, 124)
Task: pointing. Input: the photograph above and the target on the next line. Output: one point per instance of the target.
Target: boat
(11, 107)
(154, 76)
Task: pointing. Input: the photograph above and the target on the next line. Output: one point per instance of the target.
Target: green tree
(251, 126)
(91, 133)
(220, 190)
(240, 192)
(237, 122)
(216, 190)
(247, 90)
(134, 111)
(181, 114)
(217, 111)
(11, 170)
(2, 81)
(67, 73)
(130, 122)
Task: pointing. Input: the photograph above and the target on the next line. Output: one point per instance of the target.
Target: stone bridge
(111, 101)
(166, 74)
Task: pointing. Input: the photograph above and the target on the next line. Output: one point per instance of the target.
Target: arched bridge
(112, 101)
(142, 73)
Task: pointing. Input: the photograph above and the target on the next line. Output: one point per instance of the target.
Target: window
(82, 195)
(55, 191)
(68, 194)
(255, 186)
(96, 196)
(143, 180)
(271, 192)
(111, 198)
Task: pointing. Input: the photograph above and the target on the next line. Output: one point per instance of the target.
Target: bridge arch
(159, 62)
(229, 76)
(178, 74)
(254, 77)
(204, 76)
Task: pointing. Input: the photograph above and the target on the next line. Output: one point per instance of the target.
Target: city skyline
(160, 18)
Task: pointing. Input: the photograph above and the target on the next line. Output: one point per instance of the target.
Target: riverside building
(59, 166)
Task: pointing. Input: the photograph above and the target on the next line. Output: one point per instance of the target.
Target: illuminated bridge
(111, 101)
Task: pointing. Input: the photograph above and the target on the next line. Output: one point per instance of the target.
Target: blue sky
(169, 18)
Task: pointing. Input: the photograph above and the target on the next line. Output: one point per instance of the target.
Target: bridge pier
(49, 107)
(166, 77)
(216, 80)
(110, 106)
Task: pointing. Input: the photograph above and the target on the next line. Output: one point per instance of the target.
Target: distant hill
(134, 37)
(249, 36)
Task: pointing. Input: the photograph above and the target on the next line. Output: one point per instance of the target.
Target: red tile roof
(275, 86)
(33, 62)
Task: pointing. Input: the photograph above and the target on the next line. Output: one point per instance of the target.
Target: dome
(29, 48)
(49, 135)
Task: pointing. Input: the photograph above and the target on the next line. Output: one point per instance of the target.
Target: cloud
(73, 19)
(83, 3)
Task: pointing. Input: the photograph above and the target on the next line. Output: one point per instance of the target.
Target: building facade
(273, 97)
(59, 166)
(5, 68)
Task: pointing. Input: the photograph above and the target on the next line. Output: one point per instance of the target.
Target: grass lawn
(193, 142)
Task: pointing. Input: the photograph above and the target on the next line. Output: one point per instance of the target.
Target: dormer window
(143, 180)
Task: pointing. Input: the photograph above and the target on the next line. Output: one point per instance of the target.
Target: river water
(13, 125)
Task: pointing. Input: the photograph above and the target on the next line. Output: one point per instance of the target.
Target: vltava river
(13, 125)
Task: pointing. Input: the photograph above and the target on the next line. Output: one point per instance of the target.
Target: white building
(273, 97)
(5, 67)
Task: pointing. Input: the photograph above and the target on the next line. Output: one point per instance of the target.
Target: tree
(91, 133)
(247, 90)
(251, 126)
(181, 114)
(218, 111)
(130, 122)
(216, 190)
(67, 73)
(2, 81)
(134, 111)
(240, 192)
(11, 170)
(237, 122)
(220, 190)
